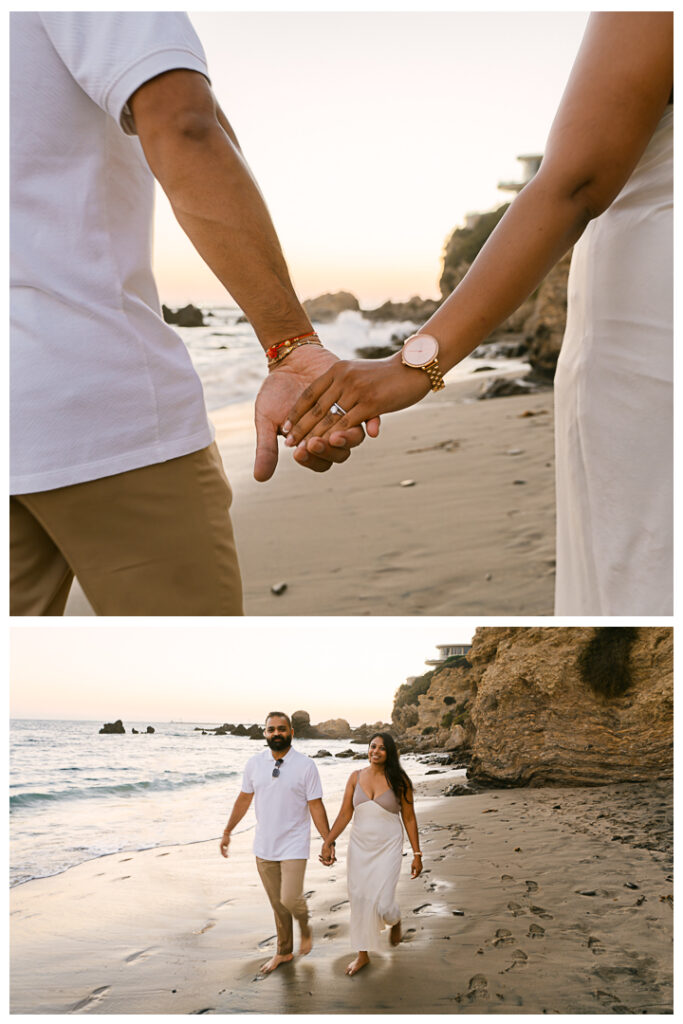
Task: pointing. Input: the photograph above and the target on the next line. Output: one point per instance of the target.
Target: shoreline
(532, 900)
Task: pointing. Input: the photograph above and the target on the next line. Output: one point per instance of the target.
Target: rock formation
(550, 705)
(415, 310)
(113, 727)
(540, 319)
(333, 729)
(303, 730)
(188, 316)
(325, 308)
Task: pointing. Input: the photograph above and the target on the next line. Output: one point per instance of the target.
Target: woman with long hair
(377, 798)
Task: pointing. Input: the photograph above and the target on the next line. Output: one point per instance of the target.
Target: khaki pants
(152, 541)
(283, 881)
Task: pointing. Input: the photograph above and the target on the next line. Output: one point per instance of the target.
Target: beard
(279, 743)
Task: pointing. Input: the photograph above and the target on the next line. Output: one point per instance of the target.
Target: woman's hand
(327, 856)
(363, 388)
(416, 867)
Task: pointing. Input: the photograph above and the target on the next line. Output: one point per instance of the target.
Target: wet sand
(532, 901)
(474, 533)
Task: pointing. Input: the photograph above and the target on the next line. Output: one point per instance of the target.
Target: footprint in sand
(205, 928)
(409, 935)
(125, 859)
(503, 937)
(535, 931)
(516, 909)
(541, 912)
(206, 1009)
(307, 895)
(329, 934)
(223, 904)
(336, 906)
(136, 956)
(507, 878)
(416, 910)
(595, 945)
(266, 942)
(519, 959)
(121, 879)
(164, 854)
(90, 1000)
(478, 987)
(531, 886)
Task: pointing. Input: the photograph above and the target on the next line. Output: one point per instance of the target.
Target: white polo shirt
(283, 824)
(100, 384)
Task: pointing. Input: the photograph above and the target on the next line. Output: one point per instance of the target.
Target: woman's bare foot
(361, 960)
(279, 958)
(306, 944)
(395, 934)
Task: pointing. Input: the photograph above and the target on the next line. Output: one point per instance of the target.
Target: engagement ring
(336, 409)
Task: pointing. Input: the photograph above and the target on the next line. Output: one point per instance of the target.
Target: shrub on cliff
(604, 662)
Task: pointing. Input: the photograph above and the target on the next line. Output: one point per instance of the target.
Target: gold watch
(421, 352)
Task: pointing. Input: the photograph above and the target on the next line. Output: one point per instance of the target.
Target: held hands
(327, 855)
(416, 867)
(278, 393)
(364, 388)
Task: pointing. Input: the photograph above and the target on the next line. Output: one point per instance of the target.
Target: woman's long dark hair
(396, 777)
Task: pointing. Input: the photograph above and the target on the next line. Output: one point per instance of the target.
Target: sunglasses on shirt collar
(276, 769)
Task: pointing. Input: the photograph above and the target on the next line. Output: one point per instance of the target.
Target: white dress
(614, 403)
(373, 866)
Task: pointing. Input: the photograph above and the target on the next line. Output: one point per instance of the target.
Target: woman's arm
(617, 91)
(342, 819)
(410, 822)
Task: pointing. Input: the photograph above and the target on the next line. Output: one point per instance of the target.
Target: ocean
(76, 795)
(231, 365)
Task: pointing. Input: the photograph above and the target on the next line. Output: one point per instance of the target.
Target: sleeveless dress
(373, 866)
(614, 403)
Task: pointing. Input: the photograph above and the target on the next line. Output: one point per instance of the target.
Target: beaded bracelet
(276, 353)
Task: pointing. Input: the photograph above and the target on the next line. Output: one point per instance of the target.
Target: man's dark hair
(279, 714)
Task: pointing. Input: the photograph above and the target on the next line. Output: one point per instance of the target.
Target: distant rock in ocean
(188, 316)
(113, 727)
(416, 310)
(327, 307)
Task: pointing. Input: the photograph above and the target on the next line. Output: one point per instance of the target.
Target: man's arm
(240, 808)
(216, 199)
(319, 816)
(193, 152)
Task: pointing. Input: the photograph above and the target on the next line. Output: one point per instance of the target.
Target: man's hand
(279, 391)
(225, 843)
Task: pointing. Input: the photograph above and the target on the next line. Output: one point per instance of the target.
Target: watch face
(420, 350)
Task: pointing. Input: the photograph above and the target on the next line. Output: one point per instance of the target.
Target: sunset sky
(236, 671)
(372, 135)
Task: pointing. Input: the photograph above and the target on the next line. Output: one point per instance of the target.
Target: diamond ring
(336, 410)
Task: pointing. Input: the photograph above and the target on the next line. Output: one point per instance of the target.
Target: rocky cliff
(568, 706)
(540, 319)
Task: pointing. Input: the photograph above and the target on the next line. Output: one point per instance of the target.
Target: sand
(473, 534)
(532, 901)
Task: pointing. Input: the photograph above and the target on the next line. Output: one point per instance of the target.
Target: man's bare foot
(361, 960)
(306, 944)
(279, 958)
(395, 934)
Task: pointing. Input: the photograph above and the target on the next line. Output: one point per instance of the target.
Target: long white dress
(614, 403)
(373, 866)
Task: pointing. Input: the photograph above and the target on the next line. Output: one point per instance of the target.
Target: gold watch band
(434, 373)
